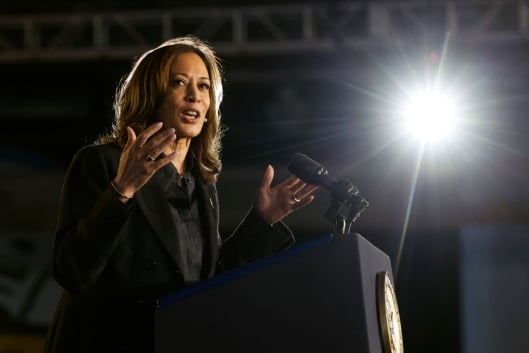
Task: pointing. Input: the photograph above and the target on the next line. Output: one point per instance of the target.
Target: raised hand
(141, 158)
(275, 203)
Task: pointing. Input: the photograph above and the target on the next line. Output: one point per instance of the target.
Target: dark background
(339, 106)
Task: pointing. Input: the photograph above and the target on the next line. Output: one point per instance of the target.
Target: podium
(318, 296)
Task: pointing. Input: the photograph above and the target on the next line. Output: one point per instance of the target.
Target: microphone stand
(344, 214)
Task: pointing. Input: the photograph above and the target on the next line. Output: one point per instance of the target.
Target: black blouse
(183, 202)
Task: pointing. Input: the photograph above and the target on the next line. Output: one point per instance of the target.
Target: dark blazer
(113, 259)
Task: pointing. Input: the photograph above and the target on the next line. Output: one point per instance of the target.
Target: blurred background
(335, 80)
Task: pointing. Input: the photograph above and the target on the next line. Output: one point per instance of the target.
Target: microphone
(311, 172)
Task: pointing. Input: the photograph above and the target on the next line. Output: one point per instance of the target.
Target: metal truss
(279, 29)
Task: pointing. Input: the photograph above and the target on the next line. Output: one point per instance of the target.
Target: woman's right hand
(139, 159)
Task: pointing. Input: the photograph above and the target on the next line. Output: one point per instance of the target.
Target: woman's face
(187, 101)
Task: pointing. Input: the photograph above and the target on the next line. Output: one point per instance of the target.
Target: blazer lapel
(210, 210)
(151, 200)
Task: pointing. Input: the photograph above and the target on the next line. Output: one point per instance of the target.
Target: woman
(139, 213)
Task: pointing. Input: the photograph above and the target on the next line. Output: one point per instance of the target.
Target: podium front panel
(319, 296)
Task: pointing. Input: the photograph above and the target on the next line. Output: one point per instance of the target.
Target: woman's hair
(140, 94)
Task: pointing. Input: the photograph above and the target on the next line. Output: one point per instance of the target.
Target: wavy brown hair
(140, 94)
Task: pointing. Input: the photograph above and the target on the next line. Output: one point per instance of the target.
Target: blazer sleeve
(89, 220)
(254, 239)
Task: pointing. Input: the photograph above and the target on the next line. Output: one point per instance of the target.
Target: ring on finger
(150, 158)
(295, 198)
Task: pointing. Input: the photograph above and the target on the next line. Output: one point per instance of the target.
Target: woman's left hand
(275, 203)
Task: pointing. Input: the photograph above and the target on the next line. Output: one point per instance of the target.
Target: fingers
(301, 194)
(159, 143)
(304, 189)
(304, 201)
(166, 159)
(303, 197)
(149, 132)
(275, 203)
(153, 141)
(268, 177)
(294, 184)
(291, 181)
(299, 187)
(131, 137)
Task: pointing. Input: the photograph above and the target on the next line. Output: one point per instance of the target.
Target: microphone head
(306, 169)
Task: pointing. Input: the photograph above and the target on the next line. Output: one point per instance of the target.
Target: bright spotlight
(430, 116)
